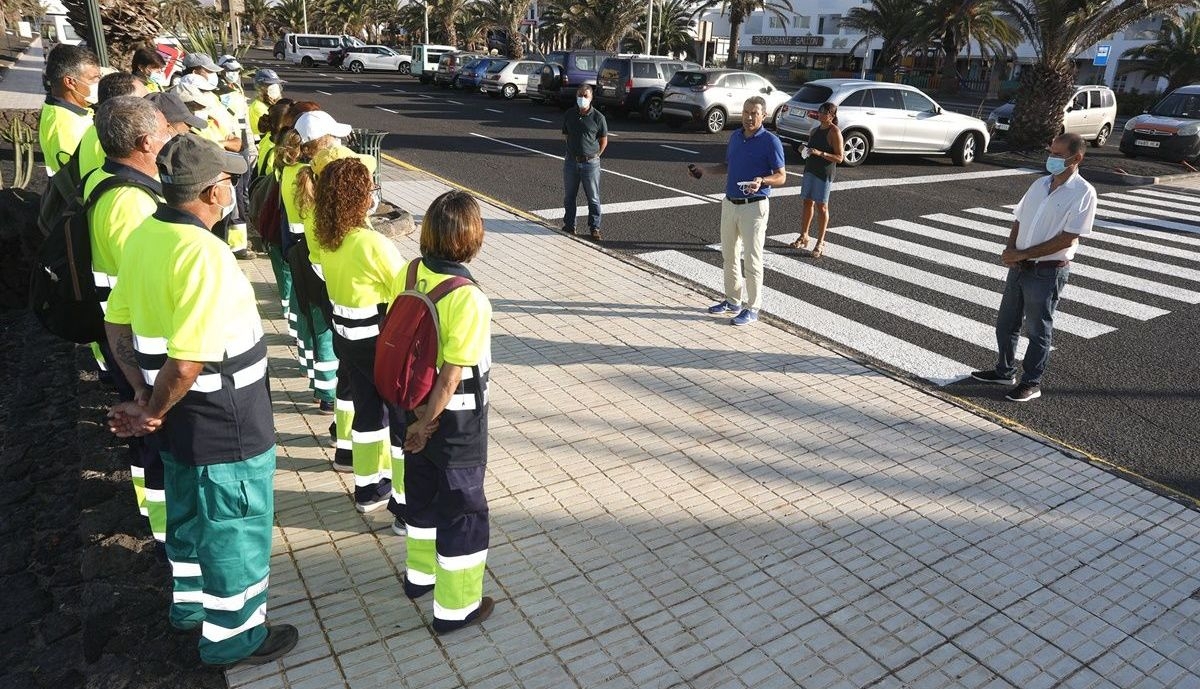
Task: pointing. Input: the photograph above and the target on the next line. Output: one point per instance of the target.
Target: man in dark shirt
(587, 137)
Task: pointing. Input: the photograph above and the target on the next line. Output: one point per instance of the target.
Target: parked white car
(714, 97)
(884, 118)
(1091, 112)
(511, 78)
(366, 57)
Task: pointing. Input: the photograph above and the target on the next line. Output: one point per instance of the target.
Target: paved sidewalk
(676, 503)
(22, 87)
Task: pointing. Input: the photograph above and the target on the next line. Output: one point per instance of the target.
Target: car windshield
(1184, 105)
(557, 57)
(813, 93)
(689, 79)
(497, 66)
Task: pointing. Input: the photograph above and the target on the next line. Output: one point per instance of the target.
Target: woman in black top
(821, 155)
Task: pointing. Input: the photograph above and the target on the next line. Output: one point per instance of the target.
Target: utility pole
(426, 3)
(649, 25)
(304, 10)
(96, 29)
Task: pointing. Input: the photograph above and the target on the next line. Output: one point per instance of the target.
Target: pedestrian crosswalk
(921, 294)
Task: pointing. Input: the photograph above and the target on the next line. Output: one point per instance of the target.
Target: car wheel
(405, 68)
(652, 109)
(775, 118)
(356, 67)
(1102, 137)
(855, 148)
(306, 61)
(965, 149)
(509, 91)
(456, 83)
(715, 120)
(279, 56)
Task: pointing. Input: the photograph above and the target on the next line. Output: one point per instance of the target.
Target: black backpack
(310, 288)
(62, 291)
(63, 189)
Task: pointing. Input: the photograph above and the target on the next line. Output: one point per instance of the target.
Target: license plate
(1001, 126)
(1144, 142)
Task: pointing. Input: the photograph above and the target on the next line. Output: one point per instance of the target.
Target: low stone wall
(29, 117)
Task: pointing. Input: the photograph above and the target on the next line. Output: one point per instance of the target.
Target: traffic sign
(1101, 58)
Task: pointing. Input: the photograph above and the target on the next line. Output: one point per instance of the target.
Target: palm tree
(672, 27)
(256, 14)
(738, 11)
(506, 15)
(411, 18)
(1059, 30)
(601, 23)
(289, 14)
(1175, 56)
(899, 24)
(128, 25)
(958, 23)
(176, 14)
(447, 11)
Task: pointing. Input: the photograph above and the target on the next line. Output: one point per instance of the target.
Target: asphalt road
(912, 294)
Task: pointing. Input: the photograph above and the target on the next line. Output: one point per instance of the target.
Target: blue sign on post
(1101, 58)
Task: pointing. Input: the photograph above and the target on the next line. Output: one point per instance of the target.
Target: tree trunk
(735, 30)
(949, 63)
(1038, 114)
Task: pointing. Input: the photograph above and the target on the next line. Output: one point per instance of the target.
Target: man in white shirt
(1049, 221)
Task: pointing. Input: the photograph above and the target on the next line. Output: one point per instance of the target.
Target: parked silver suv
(883, 117)
(715, 97)
(1091, 112)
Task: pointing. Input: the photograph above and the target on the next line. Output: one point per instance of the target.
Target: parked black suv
(628, 83)
(563, 72)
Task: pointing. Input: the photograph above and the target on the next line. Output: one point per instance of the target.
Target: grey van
(629, 83)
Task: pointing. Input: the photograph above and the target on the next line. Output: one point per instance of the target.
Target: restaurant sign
(813, 41)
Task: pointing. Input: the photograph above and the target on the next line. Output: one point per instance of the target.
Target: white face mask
(582, 102)
(212, 80)
(93, 93)
(158, 78)
(374, 204)
(228, 208)
(274, 91)
(233, 77)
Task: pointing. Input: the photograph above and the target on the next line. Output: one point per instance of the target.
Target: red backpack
(407, 349)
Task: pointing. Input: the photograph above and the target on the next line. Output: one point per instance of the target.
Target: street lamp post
(304, 10)
(426, 3)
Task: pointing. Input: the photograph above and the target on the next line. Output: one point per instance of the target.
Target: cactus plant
(21, 136)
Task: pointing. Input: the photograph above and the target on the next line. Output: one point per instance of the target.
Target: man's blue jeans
(1031, 295)
(586, 173)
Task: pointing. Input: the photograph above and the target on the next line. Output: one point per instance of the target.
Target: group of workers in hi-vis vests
(184, 343)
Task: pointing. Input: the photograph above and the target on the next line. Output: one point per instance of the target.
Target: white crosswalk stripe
(923, 303)
(1098, 235)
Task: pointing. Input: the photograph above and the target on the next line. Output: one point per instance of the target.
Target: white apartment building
(812, 37)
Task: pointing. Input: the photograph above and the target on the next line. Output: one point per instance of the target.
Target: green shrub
(1130, 104)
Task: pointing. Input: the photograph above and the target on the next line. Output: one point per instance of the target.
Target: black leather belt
(749, 199)
(1034, 265)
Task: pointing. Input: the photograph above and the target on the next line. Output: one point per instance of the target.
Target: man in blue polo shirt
(753, 165)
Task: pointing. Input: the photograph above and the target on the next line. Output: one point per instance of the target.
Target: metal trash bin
(369, 142)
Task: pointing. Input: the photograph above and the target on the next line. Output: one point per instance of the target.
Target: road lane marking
(494, 110)
(399, 91)
(324, 93)
(538, 119)
(1147, 209)
(1077, 268)
(1119, 240)
(337, 77)
(682, 150)
(376, 86)
(1132, 217)
(453, 101)
(946, 322)
(1120, 258)
(424, 95)
(1082, 295)
(700, 197)
(625, 207)
(879, 345)
(903, 272)
(925, 179)
(1167, 195)
(380, 107)
(322, 75)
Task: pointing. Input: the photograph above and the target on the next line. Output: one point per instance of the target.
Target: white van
(425, 58)
(309, 49)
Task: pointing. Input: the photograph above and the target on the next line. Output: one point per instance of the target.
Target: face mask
(274, 92)
(158, 78)
(336, 142)
(232, 77)
(1056, 165)
(212, 80)
(226, 209)
(93, 93)
(374, 204)
(582, 102)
